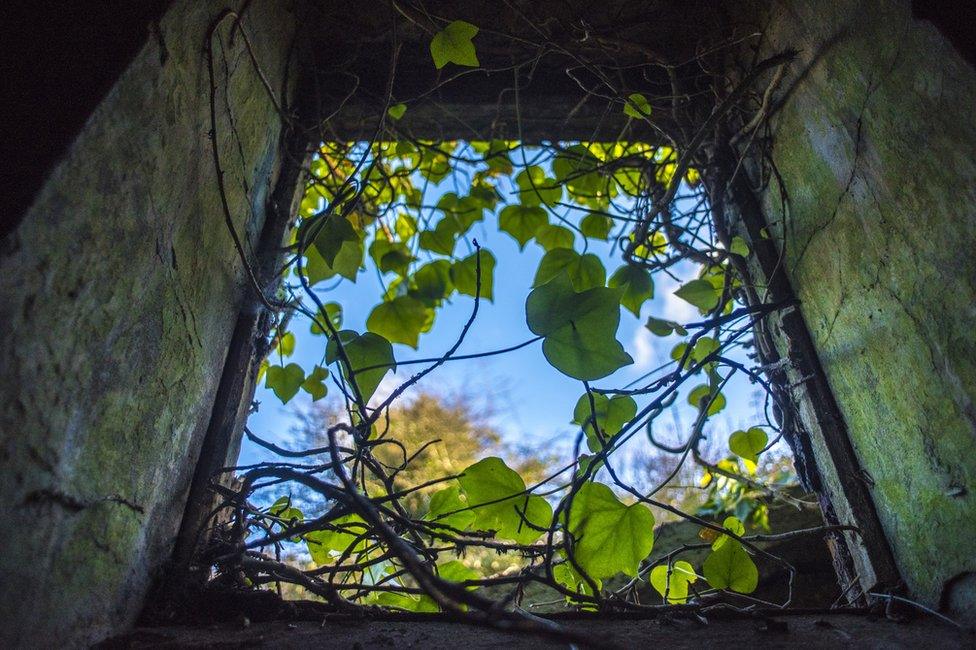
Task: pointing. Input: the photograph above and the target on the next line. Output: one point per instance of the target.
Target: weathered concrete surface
(810, 631)
(118, 294)
(875, 145)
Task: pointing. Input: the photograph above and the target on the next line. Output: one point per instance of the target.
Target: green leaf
(748, 444)
(579, 328)
(364, 351)
(701, 394)
(390, 256)
(283, 509)
(609, 536)
(331, 311)
(732, 524)
(596, 226)
(347, 262)
(637, 285)
(522, 222)
(432, 282)
(464, 274)
(501, 490)
(450, 500)
(700, 293)
(400, 320)
(611, 416)
(284, 381)
(286, 345)
(730, 567)
(323, 543)
(453, 45)
(551, 236)
(585, 271)
(739, 246)
(410, 602)
(705, 346)
(664, 327)
(536, 188)
(334, 231)
(314, 384)
(568, 577)
(396, 111)
(455, 571)
(637, 106)
(672, 582)
(441, 239)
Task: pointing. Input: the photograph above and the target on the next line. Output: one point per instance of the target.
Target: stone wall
(876, 147)
(119, 291)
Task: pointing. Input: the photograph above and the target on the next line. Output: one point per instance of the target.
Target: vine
(658, 204)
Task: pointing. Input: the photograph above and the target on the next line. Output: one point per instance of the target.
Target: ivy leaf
(286, 344)
(585, 271)
(314, 384)
(535, 187)
(334, 232)
(748, 444)
(501, 490)
(568, 577)
(551, 236)
(464, 274)
(673, 582)
(732, 524)
(664, 327)
(637, 285)
(596, 226)
(730, 567)
(455, 571)
(284, 381)
(449, 500)
(441, 239)
(364, 351)
(453, 45)
(323, 543)
(409, 602)
(701, 394)
(432, 282)
(609, 536)
(637, 106)
(579, 328)
(331, 311)
(522, 222)
(739, 246)
(611, 416)
(699, 293)
(396, 111)
(347, 262)
(705, 346)
(400, 320)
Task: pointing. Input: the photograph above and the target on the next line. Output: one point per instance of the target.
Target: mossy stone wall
(118, 295)
(876, 148)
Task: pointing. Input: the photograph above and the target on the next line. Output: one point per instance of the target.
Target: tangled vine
(660, 200)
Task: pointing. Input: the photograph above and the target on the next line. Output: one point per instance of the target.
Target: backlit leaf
(579, 328)
(453, 45)
(609, 536)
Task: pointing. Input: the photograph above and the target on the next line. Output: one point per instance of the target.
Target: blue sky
(533, 401)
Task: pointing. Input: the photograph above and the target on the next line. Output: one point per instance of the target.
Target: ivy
(579, 329)
(284, 380)
(609, 537)
(637, 286)
(748, 444)
(730, 567)
(672, 581)
(496, 495)
(453, 45)
(400, 320)
(610, 414)
(585, 271)
(369, 354)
